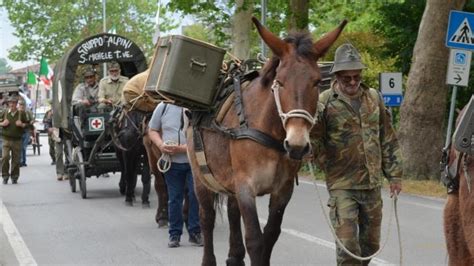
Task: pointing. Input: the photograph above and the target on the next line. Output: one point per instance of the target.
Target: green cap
(347, 58)
(12, 98)
(113, 65)
(89, 72)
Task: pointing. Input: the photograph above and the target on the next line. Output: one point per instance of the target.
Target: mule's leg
(123, 179)
(272, 230)
(161, 216)
(207, 217)
(236, 243)
(253, 233)
(146, 181)
(186, 207)
(453, 230)
(131, 176)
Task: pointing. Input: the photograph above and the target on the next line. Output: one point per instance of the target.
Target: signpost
(459, 33)
(391, 88)
(458, 67)
(459, 36)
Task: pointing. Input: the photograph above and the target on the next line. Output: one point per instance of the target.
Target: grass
(427, 188)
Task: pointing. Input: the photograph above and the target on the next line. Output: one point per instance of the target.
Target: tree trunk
(241, 28)
(423, 109)
(298, 15)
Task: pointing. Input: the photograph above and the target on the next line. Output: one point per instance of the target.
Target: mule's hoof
(122, 191)
(128, 202)
(232, 261)
(145, 204)
(163, 223)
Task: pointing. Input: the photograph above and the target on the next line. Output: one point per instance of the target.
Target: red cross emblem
(96, 123)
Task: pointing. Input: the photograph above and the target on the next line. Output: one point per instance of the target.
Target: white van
(40, 112)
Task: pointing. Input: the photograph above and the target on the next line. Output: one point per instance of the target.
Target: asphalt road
(44, 223)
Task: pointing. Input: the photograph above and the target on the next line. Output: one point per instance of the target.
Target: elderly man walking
(356, 147)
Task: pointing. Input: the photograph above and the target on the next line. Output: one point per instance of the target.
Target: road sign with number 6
(391, 88)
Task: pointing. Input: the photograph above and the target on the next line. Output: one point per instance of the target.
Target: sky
(8, 40)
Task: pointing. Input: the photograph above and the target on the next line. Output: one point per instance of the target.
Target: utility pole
(264, 22)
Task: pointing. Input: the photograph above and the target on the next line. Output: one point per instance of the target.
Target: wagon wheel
(79, 161)
(72, 174)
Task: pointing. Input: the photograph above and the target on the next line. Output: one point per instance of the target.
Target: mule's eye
(316, 83)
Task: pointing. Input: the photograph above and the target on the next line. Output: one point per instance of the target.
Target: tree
(4, 67)
(241, 28)
(398, 22)
(46, 28)
(424, 106)
(298, 15)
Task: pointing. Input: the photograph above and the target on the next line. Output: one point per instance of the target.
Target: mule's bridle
(300, 113)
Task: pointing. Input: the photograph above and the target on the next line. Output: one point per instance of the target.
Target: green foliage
(46, 28)
(399, 23)
(199, 32)
(215, 15)
(4, 67)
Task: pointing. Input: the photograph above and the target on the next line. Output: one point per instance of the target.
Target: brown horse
(459, 211)
(245, 168)
(153, 154)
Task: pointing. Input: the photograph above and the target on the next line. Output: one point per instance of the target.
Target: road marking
(19, 247)
(318, 241)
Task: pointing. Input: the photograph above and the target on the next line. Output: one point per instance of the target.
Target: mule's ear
(277, 45)
(322, 45)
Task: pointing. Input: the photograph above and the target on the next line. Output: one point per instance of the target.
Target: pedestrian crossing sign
(460, 33)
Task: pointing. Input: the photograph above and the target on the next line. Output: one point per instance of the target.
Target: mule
(153, 154)
(132, 155)
(459, 211)
(281, 103)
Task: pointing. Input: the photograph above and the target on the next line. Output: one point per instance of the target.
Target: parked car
(40, 112)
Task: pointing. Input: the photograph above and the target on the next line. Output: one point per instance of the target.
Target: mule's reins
(301, 113)
(243, 131)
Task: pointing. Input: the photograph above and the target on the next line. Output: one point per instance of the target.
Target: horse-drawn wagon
(89, 146)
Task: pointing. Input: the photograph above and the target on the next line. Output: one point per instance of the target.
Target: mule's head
(293, 75)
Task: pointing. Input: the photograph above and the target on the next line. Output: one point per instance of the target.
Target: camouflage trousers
(11, 151)
(52, 152)
(356, 216)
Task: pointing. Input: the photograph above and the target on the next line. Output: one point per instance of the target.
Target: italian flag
(46, 73)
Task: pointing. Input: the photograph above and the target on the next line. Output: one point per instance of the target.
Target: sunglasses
(89, 77)
(348, 78)
(114, 71)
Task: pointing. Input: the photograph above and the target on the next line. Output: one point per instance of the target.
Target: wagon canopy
(100, 48)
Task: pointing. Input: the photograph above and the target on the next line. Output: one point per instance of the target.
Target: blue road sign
(460, 33)
(392, 99)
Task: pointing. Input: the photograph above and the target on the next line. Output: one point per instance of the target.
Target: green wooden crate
(185, 70)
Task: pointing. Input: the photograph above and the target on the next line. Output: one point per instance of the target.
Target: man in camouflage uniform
(48, 125)
(14, 123)
(355, 146)
(110, 87)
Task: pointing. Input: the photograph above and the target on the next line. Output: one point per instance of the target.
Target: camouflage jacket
(355, 151)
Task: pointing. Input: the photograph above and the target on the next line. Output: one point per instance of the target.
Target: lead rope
(339, 242)
(165, 159)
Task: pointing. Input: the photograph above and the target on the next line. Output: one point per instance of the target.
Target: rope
(339, 242)
(165, 159)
